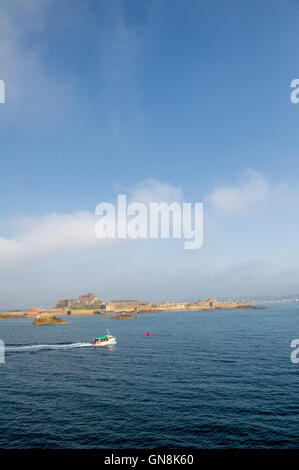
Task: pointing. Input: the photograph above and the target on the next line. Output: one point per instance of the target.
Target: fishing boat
(104, 340)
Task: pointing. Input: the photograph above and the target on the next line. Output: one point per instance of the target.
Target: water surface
(201, 379)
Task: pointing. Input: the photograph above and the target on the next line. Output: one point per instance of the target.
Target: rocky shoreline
(90, 304)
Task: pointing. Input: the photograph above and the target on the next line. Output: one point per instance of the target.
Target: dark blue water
(204, 380)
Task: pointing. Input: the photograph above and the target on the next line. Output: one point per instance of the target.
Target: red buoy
(147, 333)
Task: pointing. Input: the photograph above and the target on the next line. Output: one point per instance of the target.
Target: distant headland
(90, 304)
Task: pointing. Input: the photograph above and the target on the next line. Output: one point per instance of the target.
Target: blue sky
(102, 95)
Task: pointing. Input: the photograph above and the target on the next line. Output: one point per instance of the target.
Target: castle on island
(91, 301)
(90, 304)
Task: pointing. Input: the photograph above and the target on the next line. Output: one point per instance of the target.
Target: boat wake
(38, 347)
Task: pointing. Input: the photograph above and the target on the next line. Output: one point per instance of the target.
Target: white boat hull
(105, 343)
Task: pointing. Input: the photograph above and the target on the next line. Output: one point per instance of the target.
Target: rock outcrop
(124, 316)
(48, 319)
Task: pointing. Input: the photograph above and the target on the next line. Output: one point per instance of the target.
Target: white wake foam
(38, 347)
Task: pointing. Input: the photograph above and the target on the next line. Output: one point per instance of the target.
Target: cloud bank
(39, 237)
(250, 252)
(242, 197)
(48, 235)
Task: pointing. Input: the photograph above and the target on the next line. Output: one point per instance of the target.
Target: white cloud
(19, 64)
(153, 190)
(241, 197)
(40, 237)
(49, 235)
(32, 92)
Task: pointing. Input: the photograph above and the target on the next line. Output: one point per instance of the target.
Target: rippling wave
(38, 347)
(219, 379)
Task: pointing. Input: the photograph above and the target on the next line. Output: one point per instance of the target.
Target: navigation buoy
(147, 333)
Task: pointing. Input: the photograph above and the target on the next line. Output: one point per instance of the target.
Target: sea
(219, 379)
